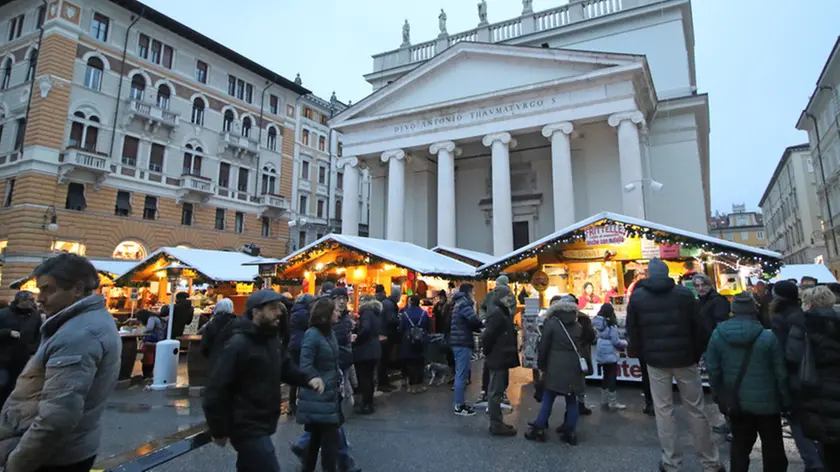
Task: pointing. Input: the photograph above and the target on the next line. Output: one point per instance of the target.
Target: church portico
(492, 162)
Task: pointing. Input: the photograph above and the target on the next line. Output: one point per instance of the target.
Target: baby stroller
(437, 367)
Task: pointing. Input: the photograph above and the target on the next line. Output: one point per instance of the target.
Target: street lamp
(267, 271)
(166, 351)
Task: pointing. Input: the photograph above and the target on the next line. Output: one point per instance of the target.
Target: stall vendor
(588, 296)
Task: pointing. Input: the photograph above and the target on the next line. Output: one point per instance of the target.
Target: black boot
(648, 409)
(583, 409)
(535, 433)
(569, 438)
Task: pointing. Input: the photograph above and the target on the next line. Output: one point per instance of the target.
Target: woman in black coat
(367, 349)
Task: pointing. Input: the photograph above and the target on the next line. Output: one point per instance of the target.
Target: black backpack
(415, 334)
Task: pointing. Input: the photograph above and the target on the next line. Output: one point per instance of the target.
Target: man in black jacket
(184, 314)
(20, 327)
(664, 326)
(713, 307)
(500, 344)
(242, 398)
(389, 323)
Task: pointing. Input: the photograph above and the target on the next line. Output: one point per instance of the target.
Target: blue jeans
(807, 448)
(572, 412)
(463, 357)
(343, 446)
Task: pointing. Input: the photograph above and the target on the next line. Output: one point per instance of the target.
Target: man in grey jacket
(51, 421)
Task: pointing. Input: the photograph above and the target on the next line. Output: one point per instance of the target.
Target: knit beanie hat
(744, 304)
(786, 290)
(502, 280)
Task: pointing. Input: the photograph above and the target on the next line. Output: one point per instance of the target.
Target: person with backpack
(414, 326)
(218, 330)
(749, 382)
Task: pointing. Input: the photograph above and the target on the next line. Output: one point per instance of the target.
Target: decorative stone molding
(504, 138)
(448, 146)
(564, 127)
(45, 84)
(396, 154)
(635, 117)
(347, 162)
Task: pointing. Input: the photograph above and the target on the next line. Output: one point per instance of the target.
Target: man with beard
(19, 336)
(242, 399)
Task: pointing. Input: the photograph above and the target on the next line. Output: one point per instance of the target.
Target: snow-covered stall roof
(111, 268)
(497, 266)
(406, 255)
(478, 258)
(797, 271)
(219, 266)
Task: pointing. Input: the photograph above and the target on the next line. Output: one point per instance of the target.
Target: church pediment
(473, 71)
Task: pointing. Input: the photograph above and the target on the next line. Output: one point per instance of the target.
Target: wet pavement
(419, 432)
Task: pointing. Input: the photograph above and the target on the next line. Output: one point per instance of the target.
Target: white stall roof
(407, 255)
(114, 267)
(797, 271)
(479, 257)
(222, 266)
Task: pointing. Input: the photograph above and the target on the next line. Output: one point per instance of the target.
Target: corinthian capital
(349, 161)
(504, 138)
(563, 127)
(395, 154)
(635, 117)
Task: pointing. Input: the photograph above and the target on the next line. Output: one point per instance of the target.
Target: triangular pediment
(470, 71)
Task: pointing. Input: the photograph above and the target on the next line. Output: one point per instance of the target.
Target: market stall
(601, 258)
(108, 269)
(797, 271)
(473, 258)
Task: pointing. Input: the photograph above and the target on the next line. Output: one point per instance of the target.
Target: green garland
(259, 281)
(769, 265)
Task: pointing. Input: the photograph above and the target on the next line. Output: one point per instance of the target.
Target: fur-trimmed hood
(566, 312)
(373, 304)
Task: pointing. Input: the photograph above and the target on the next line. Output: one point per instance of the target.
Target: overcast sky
(757, 59)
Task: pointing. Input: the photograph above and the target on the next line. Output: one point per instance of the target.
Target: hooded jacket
(557, 356)
(608, 343)
(764, 390)
(319, 357)
(367, 346)
(242, 398)
(184, 314)
(28, 324)
(714, 309)
(389, 317)
(299, 321)
(662, 321)
(219, 329)
(464, 321)
(499, 339)
(819, 406)
(54, 412)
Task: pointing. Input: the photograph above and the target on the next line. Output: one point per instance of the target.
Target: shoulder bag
(584, 366)
(728, 400)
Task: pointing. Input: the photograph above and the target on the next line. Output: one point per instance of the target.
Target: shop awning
(634, 226)
(406, 255)
(109, 268)
(473, 258)
(213, 266)
(797, 271)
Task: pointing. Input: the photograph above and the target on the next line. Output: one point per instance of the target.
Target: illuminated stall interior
(108, 272)
(601, 257)
(362, 263)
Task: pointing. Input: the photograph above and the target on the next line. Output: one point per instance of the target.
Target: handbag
(584, 366)
(808, 376)
(728, 400)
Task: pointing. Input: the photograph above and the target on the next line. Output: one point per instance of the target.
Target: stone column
(562, 182)
(395, 229)
(350, 190)
(500, 144)
(446, 152)
(630, 161)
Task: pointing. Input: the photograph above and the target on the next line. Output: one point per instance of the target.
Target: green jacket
(764, 390)
(489, 303)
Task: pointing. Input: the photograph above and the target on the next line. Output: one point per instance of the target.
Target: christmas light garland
(769, 265)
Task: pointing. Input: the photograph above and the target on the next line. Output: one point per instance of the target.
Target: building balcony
(79, 164)
(273, 204)
(153, 116)
(238, 145)
(304, 185)
(195, 187)
(323, 190)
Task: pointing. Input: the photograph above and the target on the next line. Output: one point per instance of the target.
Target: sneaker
(464, 410)
(482, 400)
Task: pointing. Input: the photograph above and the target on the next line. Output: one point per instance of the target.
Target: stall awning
(473, 258)
(633, 226)
(110, 268)
(406, 255)
(797, 271)
(215, 266)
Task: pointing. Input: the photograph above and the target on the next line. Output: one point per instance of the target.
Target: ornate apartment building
(317, 190)
(123, 131)
(792, 217)
(740, 226)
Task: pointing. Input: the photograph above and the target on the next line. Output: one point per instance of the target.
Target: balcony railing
(238, 144)
(153, 115)
(509, 30)
(198, 184)
(274, 201)
(85, 162)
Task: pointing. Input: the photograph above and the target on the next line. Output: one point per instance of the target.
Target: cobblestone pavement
(419, 432)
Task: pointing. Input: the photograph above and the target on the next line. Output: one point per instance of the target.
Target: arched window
(338, 210)
(138, 87)
(163, 97)
(271, 142)
(84, 132)
(246, 126)
(7, 74)
(131, 250)
(198, 111)
(192, 160)
(93, 73)
(33, 61)
(227, 123)
(269, 179)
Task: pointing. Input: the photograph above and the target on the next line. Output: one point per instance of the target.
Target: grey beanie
(657, 268)
(502, 280)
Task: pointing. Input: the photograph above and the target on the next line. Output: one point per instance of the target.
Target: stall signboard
(530, 333)
(630, 369)
(539, 281)
(669, 251)
(134, 294)
(605, 234)
(650, 249)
